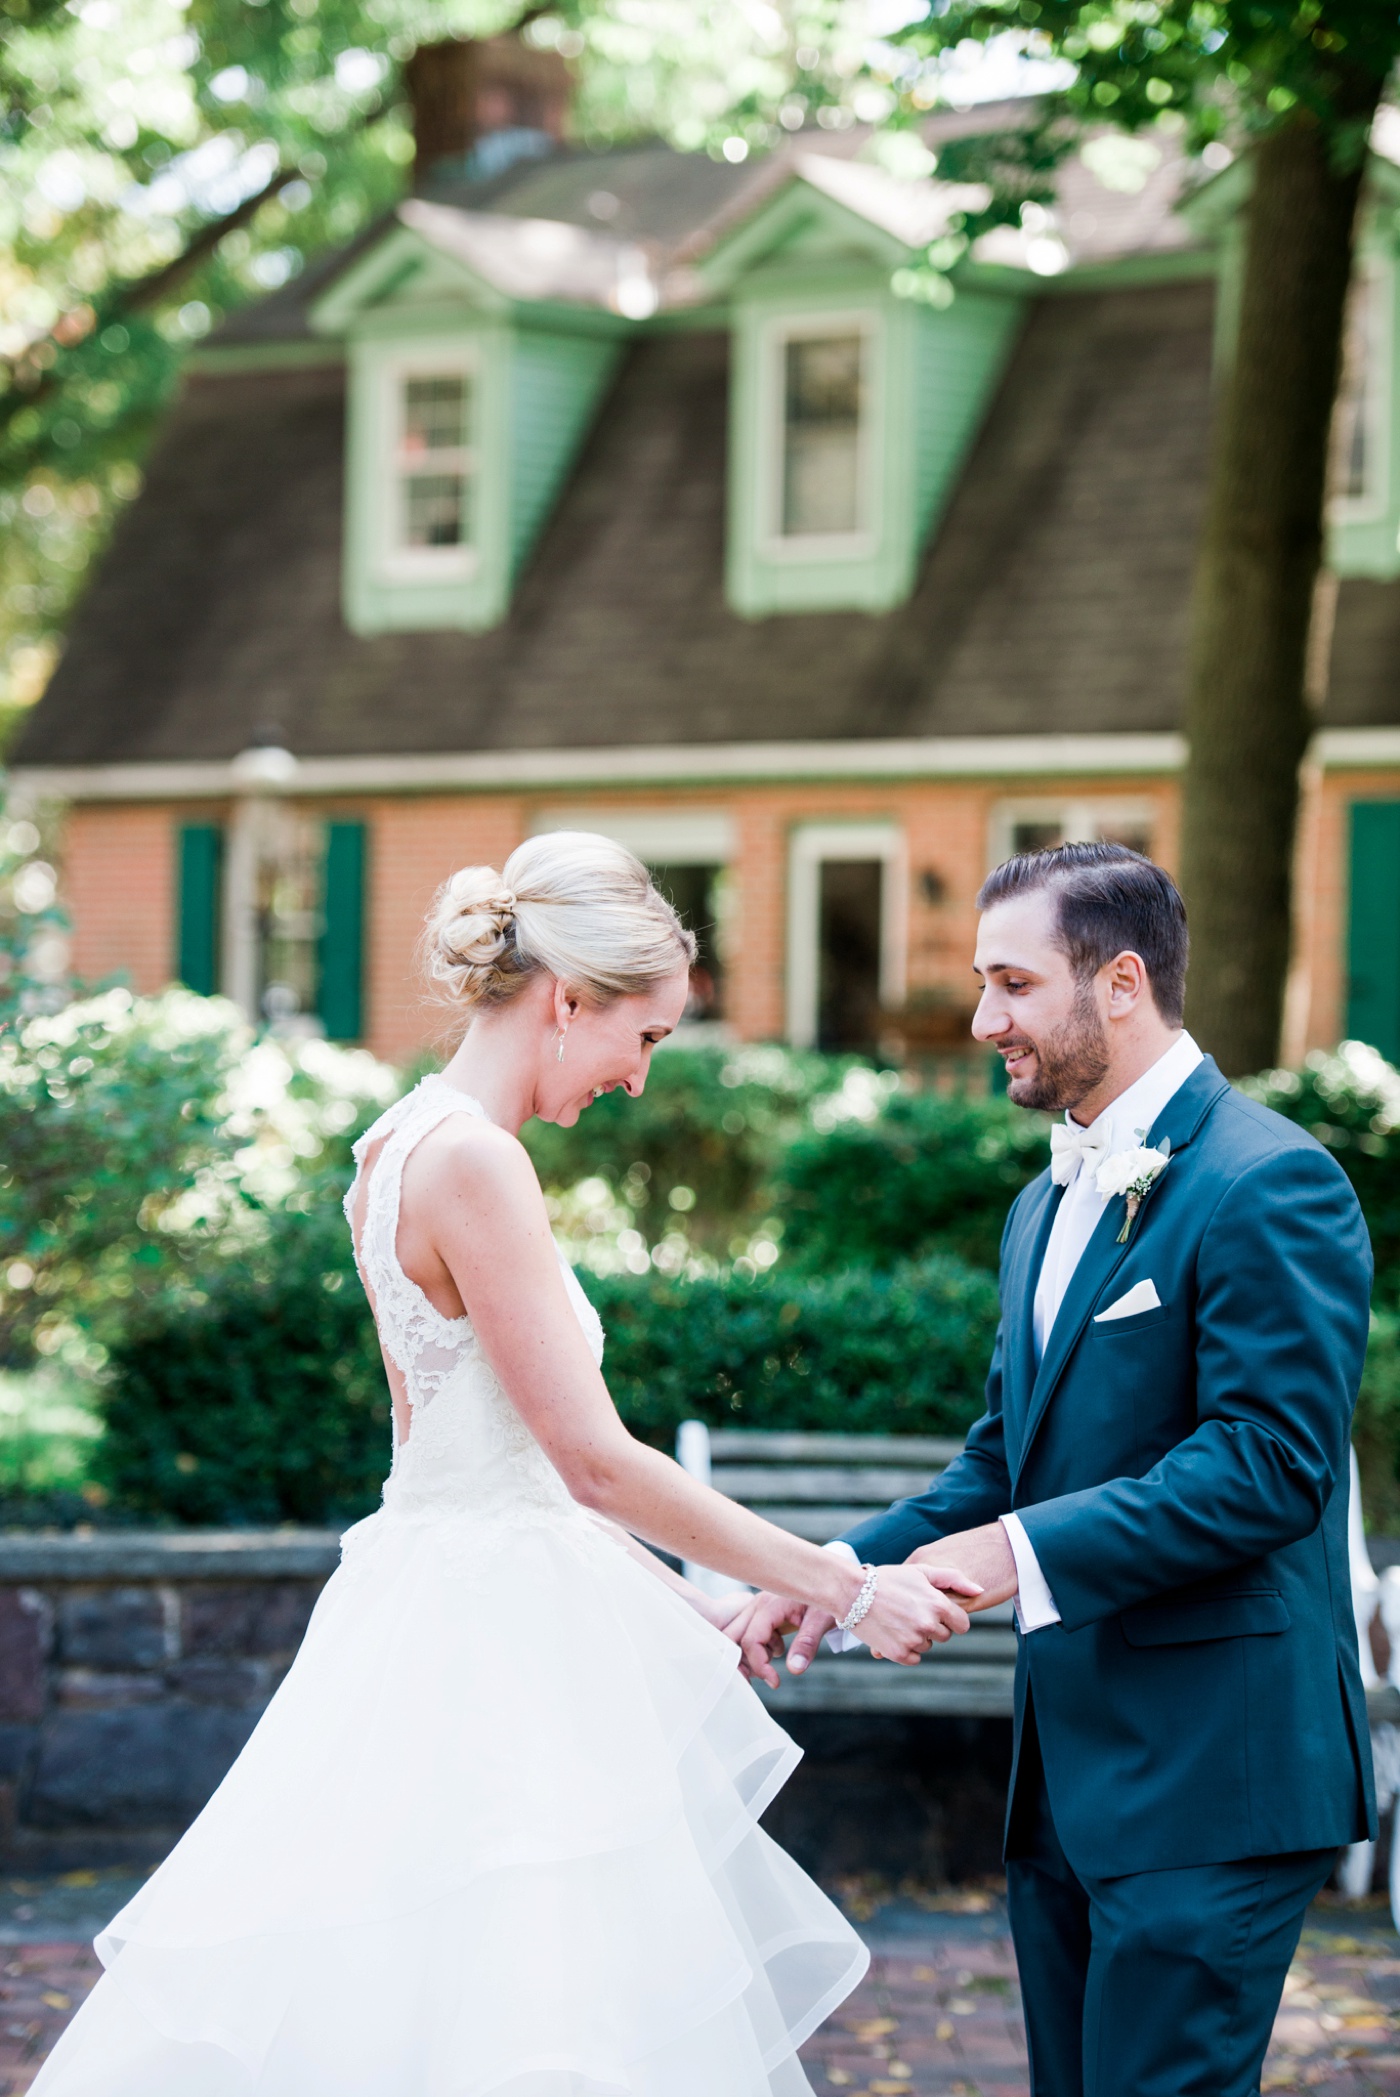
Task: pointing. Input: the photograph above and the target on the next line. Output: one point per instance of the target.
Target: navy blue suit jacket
(1183, 1477)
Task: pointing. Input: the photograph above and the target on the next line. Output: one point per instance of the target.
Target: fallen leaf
(56, 2001)
(943, 2029)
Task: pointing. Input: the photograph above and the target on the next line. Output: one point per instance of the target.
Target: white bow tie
(1070, 1146)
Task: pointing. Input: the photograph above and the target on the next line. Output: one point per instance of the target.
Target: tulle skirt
(497, 1832)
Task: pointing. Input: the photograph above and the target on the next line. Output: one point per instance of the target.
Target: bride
(498, 1829)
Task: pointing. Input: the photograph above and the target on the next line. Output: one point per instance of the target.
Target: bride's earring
(559, 1052)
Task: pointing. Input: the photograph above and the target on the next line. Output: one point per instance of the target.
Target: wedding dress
(497, 1830)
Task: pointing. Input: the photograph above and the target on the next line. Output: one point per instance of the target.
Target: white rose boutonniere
(1131, 1173)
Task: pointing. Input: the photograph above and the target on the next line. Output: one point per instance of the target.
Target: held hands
(984, 1555)
(912, 1610)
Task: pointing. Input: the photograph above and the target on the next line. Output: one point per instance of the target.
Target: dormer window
(432, 520)
(819, 500)
(823, 434)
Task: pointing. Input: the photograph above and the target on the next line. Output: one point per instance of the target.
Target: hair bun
(570, 904)
(471, 935)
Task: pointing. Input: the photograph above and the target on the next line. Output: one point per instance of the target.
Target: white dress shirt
(1124, 1124)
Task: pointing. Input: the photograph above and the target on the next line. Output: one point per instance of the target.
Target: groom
(1160, 1481)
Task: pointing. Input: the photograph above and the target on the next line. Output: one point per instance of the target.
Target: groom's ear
(1127, 981)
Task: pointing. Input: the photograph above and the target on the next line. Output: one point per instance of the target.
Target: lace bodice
(467, 1447)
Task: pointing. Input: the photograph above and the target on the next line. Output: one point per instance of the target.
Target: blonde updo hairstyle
(568, 904)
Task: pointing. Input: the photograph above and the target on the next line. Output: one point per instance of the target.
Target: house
(631, 490)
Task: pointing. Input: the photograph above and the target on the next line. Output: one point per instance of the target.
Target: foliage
(164, 161)
(259, 1398)
(33, 929)
(1350, 1101)
(905, 1352)
(684, 1168)
(1218, 64)
(1376, 1427)
(929, 1173)
(141, 1137)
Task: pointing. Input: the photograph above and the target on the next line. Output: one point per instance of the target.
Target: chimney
(480, 104)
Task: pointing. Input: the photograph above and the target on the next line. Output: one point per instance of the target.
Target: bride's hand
(914, 1609)
(758, 1630)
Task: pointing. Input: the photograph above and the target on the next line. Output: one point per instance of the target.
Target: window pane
(435, 414)
(848, 980)
(435, 510)
(1042, 836)
(289, 921)
(1353, 419)
(693, 891)
(821, 435)
(1136, 836)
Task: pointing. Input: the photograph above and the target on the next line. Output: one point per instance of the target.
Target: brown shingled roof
(1054, 599)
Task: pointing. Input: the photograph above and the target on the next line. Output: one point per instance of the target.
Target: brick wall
(119, 885)
(414, 845)
(119, 889)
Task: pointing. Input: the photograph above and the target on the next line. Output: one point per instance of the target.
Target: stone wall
(133, 1667)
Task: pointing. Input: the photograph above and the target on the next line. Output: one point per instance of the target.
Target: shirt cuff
(1034, 1604)
(841, 1641)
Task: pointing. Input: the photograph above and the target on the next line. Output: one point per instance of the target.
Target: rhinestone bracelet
(860, 1608)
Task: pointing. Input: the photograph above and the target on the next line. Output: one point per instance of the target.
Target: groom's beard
(1069, 1063)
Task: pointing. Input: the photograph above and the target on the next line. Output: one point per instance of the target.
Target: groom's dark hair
(1108, 900)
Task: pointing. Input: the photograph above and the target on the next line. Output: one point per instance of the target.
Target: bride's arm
(719, 1610)
(490, 1229)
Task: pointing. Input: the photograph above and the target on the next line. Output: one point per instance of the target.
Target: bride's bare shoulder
(468, 1156)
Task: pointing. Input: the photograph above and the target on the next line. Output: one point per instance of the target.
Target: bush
(143, 1138)
(905, 1352)
(260, 1399)
(265, 1401)
(931, 1172)
(706, 1131)
(1350, 1101)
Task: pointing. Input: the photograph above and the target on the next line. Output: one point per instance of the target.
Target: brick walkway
(938, 2016)
(942, 2017)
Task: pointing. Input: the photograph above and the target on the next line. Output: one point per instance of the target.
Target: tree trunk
(1247, 715)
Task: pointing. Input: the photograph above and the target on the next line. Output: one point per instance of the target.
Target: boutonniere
(1132, 1173)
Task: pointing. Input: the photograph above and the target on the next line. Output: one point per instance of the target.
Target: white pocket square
(1141, 1297)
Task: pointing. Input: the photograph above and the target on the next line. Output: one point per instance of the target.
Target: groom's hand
(985, 1554)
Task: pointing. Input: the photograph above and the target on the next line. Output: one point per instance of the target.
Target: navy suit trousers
(1157, 1983)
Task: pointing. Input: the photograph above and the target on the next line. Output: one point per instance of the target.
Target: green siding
(557, 382)
(197, 915)
(960, 354)
(1373, 946)
(341, 997)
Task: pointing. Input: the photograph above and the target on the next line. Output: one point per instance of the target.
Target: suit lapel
(1178, 1123)
(1018, 1304)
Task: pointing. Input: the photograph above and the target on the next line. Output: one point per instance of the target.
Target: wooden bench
(817, 1485)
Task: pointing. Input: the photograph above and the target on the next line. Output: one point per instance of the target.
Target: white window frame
(1082, 820)
(397, 562)
(1378, 271)
(809, 846)
(773, 542)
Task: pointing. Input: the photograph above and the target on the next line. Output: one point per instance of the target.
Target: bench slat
(852, 1684)
(755, 1445)
(799, 1484)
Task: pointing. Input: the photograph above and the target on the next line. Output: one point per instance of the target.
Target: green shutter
(342, 936)
(1373, 946)
(197, 930)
